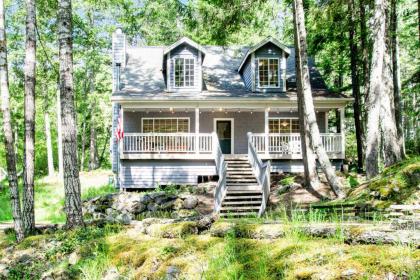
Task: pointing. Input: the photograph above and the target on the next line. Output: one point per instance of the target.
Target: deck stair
(244, 194)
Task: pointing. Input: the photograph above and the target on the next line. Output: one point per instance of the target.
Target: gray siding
(185, 51)
(114, 143)
(152, 173)
(247, 74)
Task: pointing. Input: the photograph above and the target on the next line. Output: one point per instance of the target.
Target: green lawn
(49, 196)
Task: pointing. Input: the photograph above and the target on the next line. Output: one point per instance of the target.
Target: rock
(174, 230)
(184, 213)
(172, 272)
(112, 274)
(139, 208)
(220, 229)
(25, 258)
(349, 274)
(98, 216)
(167, 205)
(124, 219)
(391, 276)
(178, 204)
(145, 199)
(205, 222)
(375, 194)
(4, 271)
(190, 202)
(164, 198)
(152, 207)
(73, 258)
(154, 195)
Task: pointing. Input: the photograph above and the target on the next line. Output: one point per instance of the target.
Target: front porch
(194, 133)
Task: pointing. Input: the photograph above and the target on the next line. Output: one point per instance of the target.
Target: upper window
(165, 125)
(268, 72)
(184, 72)
(283, 125)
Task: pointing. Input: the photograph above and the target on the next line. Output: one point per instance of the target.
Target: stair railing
(261, 171)
(221, 168)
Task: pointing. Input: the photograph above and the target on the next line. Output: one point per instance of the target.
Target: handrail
(261, 172)
(221, 167)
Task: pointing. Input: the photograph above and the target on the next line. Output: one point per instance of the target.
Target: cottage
(189, 110)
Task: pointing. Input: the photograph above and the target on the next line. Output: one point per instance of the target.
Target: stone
(73, 258)
(145, 199)
(349, 274)
(172, 272)
(205, 222)
(4, 271)
(25, 258)
(139, 208)
(167, 205)
(124, 219)
(190, 202)
(184, 213)
(178, 204)
(390, 276)
(112, 274)
(220, 229)
(152, 207)
(154, 195)
(164, 198)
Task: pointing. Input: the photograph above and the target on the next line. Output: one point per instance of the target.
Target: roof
(184, 40)
(259, 45)
(143, 74)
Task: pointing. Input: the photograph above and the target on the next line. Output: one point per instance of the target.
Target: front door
(224, 130)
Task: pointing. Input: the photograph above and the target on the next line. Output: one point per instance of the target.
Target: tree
(305, 94)
(73, 204)
(28, 212)
(47, 124)
(7, 129)
(375, 90)
(355, 85)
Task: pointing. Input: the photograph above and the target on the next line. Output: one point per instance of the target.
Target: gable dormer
(263, 68)
(183, 62)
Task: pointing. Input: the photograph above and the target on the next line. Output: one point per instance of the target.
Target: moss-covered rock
(174, 230)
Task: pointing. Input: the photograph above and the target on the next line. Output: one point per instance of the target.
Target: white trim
(183, 65)
(180, 42)
(167, 118)
(232, 126)
(282, 118)
(278, 71)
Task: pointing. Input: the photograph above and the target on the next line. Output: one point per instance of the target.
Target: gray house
(189, 111)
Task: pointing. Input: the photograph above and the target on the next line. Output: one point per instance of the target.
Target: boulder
(73, 258)
(112, 274)
(349, 274)
(4, 271)
(184, 213)
(172, 273)
(124, 219)
(190, 202)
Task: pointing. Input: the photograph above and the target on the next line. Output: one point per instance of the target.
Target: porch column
(342, 128)
(197, 130)
(266, 130)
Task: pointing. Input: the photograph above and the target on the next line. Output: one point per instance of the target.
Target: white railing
(221, 167)
(168, 143)
(261, 172)
(290, 144)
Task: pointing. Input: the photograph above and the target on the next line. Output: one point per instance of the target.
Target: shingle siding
(114, 146)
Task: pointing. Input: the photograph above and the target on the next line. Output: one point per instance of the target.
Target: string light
(220, 109)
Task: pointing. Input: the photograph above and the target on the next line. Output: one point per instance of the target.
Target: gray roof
(143, 74)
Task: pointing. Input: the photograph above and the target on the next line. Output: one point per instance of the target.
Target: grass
(136, 255)
(49, 196)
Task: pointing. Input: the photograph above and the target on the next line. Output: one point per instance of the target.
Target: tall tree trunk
(355, 86)
(8, 133)
(47, 123)
(305, 93)
(59, 137)
(28, 213)
(373, 102)
(93, 152)
(396, 76)
(392, 150)
(308, 155)
(365, 62)
(73, 203)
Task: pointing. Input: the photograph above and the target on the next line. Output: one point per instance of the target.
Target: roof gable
(184, 40)
(261, 44)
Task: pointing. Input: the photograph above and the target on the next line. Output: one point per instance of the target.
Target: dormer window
(268, 72)
(184, 72)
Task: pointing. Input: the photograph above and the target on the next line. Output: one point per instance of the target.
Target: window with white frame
(268, 72)
(165, 125)
(283, 125)
(184, 72)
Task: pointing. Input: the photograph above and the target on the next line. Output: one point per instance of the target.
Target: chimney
(118, 57)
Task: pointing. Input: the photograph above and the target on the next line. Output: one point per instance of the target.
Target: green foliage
(95, 191)
(353, 182)
(287, 181)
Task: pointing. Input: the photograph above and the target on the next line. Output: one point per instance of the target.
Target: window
(165, 125)
(184, 72)
(283, 125)
(268, 72)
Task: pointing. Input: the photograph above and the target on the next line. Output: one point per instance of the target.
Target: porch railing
(221, 167)
(261, 172)
(168, 143)
(290, 144)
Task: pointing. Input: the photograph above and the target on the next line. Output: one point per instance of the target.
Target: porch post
(197, 130)
(266, 129)
(342, 127)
